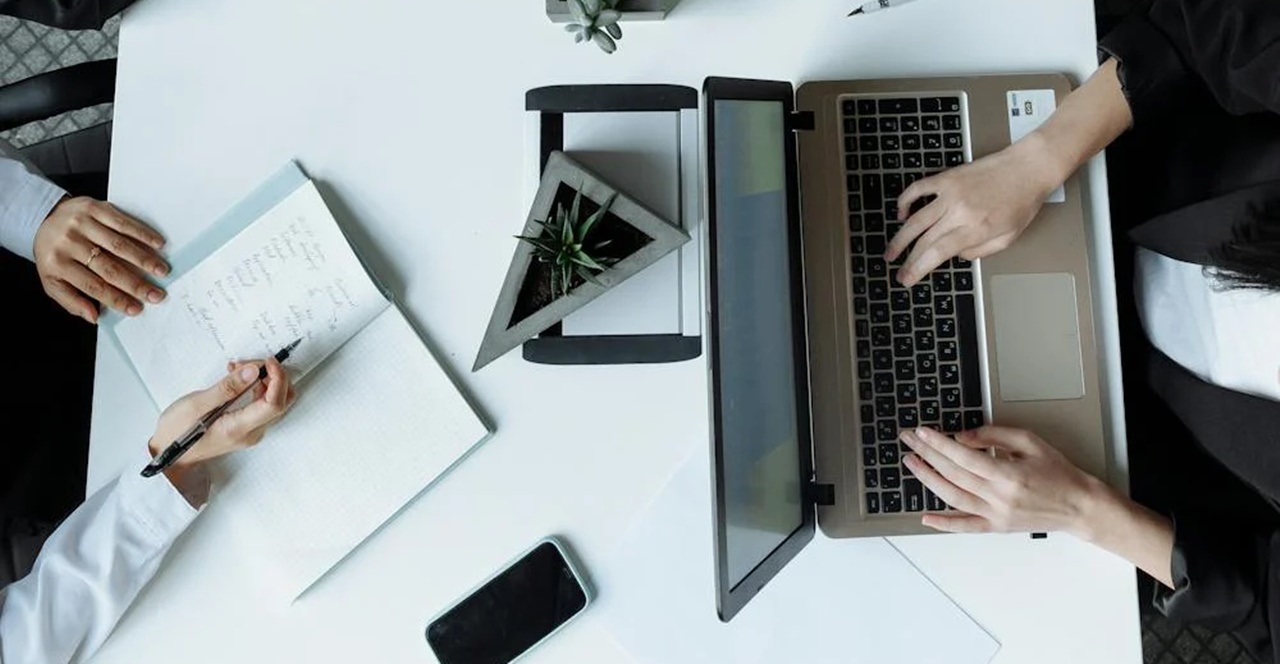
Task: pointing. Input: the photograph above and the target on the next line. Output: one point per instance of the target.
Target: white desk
(412, 113)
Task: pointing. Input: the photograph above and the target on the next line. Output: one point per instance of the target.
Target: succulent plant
(595, 21)
(564, 246)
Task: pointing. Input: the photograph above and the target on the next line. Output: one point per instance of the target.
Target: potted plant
(597, 20)
(581, 238)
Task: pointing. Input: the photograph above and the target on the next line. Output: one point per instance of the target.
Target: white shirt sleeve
(26, 198)
(90, 570)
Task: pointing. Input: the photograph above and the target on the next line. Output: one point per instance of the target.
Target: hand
(88, 250)
(978, 209)
(1026, 486)
(238, 429)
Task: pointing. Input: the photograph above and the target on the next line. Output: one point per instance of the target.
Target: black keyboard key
(882, 359)
(884, 382)
(891, 501)
(857, 244)
(932, 502)
(930, 413)
(864, 390)
(947, 351)
(892, 161)
(952, 141)
(911, 141)
(851, 162)
(885, 407)
(890, 478)
(933, 141)
(892, 184)
(889, 454)
(946, 328)
(973, 419)
(868, 126)
(927, 363)
(860, 288)
(899, 106)
(908, 178)
(913, 494)
(924, 340)
(849, 107)
(890, 144)
(891, 229)
(886, 431)
(951, 122)
(868, 143)
(908, 417)
(952, 422)
(850, 126)
(853, 182)
(858, 266)
(876, 267)
(855, 203)
(933, 160)
(868, 412)
(880, 336)
(855, 223)
(879, 312)
(873, 502)
(866, 107)
(904, 370)
(960, 263)
(941, 282)
(870, 162)
(950, 105)
(923, 317)
(874, 220)
(971, 377)
(950, 397)
(889, 125)
(964, 281)
(863, 348)
(864, 366)
(891, 208)
(851, 144)
(930, 105)
(944, 305)
(868, 456)
(903, 347)
(870, 479)
(912, 160)
(950, 374)
(879, 290)
(902, 323)
(906, 394)
(928, 387)
(899, 299)
(921, 294)
(953, 159)
(875, 244)
(910, 123)
(928, 123)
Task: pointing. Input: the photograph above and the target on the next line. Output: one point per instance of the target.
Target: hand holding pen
(211, 417)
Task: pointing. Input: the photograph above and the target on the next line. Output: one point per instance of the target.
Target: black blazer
(65, 14)
(1174, 58)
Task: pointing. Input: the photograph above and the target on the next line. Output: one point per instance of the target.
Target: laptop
(819, 358)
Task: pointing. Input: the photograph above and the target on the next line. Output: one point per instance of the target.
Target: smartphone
(513, 611)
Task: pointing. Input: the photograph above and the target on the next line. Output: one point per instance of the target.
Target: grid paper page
(290, 274)
(373, 427)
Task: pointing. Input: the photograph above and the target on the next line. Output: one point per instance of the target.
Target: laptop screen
(755, 344)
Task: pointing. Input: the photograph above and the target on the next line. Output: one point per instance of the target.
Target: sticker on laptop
(1028, 109)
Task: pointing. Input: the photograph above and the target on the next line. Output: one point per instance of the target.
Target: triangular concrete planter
(504, 334)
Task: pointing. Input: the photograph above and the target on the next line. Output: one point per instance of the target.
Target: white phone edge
(565, 554)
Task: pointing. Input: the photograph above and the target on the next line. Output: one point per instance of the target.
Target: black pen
(193, 435)
(877, 5)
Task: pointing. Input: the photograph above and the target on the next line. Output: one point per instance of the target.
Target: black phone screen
(511, 612)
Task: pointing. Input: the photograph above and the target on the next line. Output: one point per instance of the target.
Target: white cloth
(26, 198)
(90, 570)
(1226, 337)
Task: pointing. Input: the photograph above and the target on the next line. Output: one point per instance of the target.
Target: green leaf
(587, 261)
(587, 276)
(599, 214)
(559, 215)
(608, 17)
(614, 30)
(579, 11)
(605, 42)
(576, 212)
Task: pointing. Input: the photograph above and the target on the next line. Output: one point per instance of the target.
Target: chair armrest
(67, 89)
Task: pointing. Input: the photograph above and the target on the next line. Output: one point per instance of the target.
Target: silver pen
(877, 5)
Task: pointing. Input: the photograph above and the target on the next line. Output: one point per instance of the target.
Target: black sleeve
(65, 14)
(1231, 48)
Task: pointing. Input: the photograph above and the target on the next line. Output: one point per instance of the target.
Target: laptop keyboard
(916, 348)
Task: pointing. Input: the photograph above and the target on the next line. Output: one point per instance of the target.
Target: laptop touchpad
(1037, 337)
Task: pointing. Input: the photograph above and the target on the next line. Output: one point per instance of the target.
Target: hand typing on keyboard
(976, 209)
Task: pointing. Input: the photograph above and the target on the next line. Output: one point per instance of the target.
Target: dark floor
(27, 49)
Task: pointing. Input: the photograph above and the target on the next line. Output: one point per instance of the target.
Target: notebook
(377, 421)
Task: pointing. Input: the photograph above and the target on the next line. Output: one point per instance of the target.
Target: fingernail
(133, 309)
(155, 296)
(907, 437)
(161, 271)
(920, 432)
(248, 373)
(157, 242)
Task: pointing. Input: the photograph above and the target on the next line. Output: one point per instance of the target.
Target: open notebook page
(289, 274)
(375, 426)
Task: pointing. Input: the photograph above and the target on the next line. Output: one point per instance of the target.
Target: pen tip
(855, 12)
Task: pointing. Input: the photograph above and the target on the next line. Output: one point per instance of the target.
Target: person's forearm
(1129, 530)
(1088, 120)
